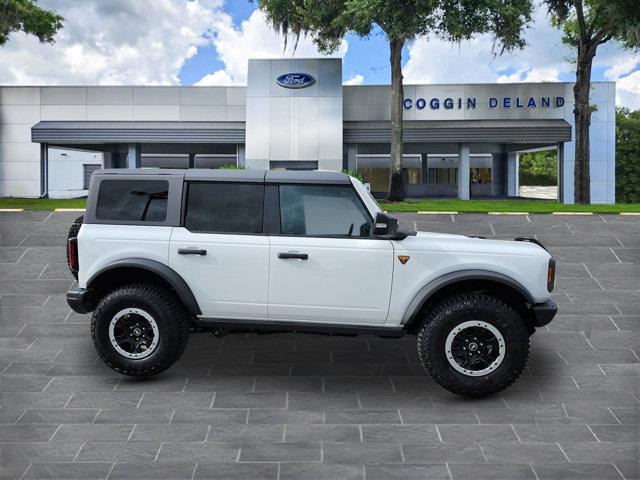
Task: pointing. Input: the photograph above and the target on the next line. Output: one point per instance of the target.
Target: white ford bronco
(164, 253)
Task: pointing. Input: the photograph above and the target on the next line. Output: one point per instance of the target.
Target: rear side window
(132, 200)
(224, 208)
(323, 211)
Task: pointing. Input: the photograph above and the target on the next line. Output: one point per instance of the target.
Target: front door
(221, 251)
(325, 266)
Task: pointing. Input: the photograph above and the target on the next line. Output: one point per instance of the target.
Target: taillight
(73, 254)
(551, 275)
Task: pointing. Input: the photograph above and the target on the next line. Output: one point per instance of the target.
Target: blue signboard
(295, 80)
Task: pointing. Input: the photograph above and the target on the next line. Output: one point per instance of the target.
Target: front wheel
(140, 330)
(473, 344)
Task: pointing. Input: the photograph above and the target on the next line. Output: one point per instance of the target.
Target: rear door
(221, 250)
(325, 265)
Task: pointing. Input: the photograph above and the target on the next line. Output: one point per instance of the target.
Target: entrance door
(221, 251)
(326, 266)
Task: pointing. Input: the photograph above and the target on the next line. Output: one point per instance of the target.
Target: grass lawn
(42, 203)
(432, 205)
(483, 206)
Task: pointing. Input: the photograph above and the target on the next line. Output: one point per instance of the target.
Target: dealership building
(460, 140)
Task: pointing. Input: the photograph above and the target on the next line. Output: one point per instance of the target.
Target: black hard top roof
(249, 175)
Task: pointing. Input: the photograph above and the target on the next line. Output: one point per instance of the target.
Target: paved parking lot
(284, 406)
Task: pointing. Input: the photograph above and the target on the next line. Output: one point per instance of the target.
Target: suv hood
(464, 243)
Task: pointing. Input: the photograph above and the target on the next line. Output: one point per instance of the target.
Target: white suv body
(291, 251)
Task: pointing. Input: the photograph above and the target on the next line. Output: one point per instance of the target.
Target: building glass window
(443, 175)
(132, 200)
(224, 208)
(377, 178)
(323, 211)
(87, 170)
(480, 175)
(414, 176)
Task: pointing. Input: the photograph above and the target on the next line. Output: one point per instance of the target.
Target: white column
(513, 166)
(562, 176)
(463, 171)
(134, 159)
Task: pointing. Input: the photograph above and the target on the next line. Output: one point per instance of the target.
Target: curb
(572, 213)
(69, 210)
(11, 209)
(436, 213)
(630, 214)
(507, 213)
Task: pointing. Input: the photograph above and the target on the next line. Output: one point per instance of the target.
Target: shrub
(539, 168)
(355, 175)
(627, 156)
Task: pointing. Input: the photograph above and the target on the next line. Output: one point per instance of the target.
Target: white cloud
(628, 91)
(622, 65)
(436, 61)
(114, 42)
(357, 79)
(531, 75)
(545, 58)
(219, 77)
(253, 39)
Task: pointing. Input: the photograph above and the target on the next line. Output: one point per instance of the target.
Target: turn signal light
(551, 275)
(73, 254)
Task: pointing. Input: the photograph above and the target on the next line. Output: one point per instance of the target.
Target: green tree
(627, 156)
(539, 168)
(327, 22)
(27, 16)
(587, 24)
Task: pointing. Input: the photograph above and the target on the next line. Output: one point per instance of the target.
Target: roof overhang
(58, 132)
(476, 131)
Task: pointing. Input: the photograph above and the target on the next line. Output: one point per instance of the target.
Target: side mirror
(386, 226)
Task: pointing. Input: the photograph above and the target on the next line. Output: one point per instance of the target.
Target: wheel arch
(497, 284)
(143, 270)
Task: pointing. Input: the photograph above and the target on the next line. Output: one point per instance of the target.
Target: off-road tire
(73, 232)
(452, 311)
(167, 311)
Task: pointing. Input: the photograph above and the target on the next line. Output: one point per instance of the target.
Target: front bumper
(543, 313)
(81, 300)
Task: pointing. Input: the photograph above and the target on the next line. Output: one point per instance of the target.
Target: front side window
(322, 211)
(224, 208)
(132, 200)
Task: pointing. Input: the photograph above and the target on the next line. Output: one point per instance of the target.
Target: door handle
(299, 256)
(192, 251)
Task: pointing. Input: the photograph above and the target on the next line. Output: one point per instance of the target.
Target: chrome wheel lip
(152, 324)
(502, 348)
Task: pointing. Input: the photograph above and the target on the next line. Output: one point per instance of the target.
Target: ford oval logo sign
(295, 80)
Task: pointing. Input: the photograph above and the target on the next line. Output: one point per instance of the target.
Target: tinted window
(323, 211)
(224, 208)
(132, 200)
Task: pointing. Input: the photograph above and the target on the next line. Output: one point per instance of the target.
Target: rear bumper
(80, 300)
(543, 313)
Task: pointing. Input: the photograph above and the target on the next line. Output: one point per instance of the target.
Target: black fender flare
(428, 290)
(165, 272)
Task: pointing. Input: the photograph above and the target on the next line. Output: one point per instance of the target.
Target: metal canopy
(58, 132)
(453, 131)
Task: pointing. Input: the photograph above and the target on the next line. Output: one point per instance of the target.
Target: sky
(208, 42)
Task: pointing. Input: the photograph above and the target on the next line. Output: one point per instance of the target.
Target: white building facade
(459, 140)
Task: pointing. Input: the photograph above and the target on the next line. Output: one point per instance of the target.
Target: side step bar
(300, 327)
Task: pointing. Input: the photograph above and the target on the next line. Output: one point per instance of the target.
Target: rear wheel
(473, 344)
(140, 329)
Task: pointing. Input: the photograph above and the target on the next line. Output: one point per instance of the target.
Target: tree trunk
(396, 185)
(582, 115)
